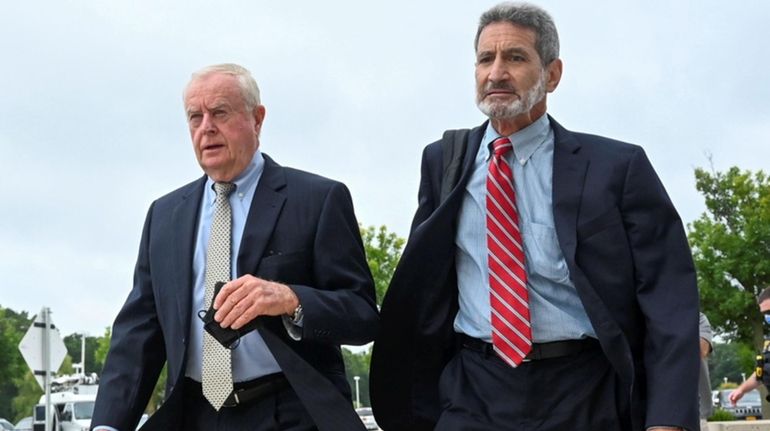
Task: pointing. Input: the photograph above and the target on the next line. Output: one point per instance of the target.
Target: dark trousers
(281, 411)
(581, 392)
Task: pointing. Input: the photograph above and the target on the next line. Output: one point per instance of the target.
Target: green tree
(66, 366)
(102, 347)
(13, 326)
(357, 364)
(74, 344)
(383, 250)
(731, 244)
(729, 360)
(28, 395)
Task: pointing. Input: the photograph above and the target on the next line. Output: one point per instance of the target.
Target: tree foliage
(19, 391)
(27, 396)
(728, 361)
(357, 364)
(102, 347)
(74, 344)
(383, 250)
(13, 326)
(731, 246)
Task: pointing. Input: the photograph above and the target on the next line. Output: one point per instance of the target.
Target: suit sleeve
(667, 294)
(340, 308)
(136, 354)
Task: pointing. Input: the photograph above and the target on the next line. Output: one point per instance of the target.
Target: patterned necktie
(509, 300)
(217, 380)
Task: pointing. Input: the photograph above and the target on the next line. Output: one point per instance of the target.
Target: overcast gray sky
(92, 129)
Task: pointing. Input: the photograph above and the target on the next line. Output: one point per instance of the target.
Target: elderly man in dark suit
(543, 272)
(286, 243)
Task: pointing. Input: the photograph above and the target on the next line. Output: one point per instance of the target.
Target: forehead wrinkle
(216, 103)
(506, 50)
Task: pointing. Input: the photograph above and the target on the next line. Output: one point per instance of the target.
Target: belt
(554, 349)
(250, 391)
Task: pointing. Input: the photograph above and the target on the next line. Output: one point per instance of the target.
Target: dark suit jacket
(627, 255)
(301, 230)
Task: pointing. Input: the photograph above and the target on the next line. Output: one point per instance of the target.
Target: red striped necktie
(509, 300)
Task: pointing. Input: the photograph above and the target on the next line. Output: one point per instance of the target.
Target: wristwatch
(296, 317)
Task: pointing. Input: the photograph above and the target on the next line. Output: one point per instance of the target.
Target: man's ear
(259, 117)
(554, 71)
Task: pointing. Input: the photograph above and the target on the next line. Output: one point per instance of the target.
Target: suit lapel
(265, 208)
(569, 170)
(185, 218)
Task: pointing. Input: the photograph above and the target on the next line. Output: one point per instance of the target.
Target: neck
(509, 126)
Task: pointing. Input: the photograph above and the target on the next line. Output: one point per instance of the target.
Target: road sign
(32, 347)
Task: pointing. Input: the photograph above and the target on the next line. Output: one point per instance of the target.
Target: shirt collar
(525, 141)
(244, 182)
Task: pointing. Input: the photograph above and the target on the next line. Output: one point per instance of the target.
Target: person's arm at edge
(749, 385)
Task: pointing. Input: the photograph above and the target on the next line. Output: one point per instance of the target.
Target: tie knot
(224, 189)
(500, 146)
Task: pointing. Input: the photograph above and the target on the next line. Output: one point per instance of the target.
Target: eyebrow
(191, 110)
(508, 51)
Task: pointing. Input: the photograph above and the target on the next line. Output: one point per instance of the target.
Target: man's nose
(208, 125)
(497, 71)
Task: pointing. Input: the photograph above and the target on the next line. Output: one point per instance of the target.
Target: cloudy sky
(92, 129)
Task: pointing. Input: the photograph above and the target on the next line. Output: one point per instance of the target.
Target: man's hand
(243, 299)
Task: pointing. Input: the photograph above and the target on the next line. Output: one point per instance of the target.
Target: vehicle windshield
(40, 413)
(750, 399)
(84, 410)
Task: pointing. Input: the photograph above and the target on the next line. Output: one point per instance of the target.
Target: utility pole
(358, 398)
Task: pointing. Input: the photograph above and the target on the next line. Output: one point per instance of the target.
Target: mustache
(500, 86)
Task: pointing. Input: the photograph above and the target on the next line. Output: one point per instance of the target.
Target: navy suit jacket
(627, 255)
(301, 230)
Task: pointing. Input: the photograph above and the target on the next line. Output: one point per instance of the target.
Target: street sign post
(43, 350)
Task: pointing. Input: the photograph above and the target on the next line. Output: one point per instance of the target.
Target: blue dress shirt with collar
(556, 312)
(252, 358)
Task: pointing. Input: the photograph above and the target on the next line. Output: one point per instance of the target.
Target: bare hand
(735, 396)
(243, 299)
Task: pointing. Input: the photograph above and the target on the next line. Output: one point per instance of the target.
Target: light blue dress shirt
(556, 312)
(252, 358)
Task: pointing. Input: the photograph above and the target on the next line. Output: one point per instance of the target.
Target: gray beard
(522, 105)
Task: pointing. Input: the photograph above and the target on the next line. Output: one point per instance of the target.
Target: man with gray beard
(542, 270)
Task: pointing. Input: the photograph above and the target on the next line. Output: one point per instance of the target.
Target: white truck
(71, 408)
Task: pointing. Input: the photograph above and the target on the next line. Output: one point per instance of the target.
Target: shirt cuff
(293, 328)
(103, 428)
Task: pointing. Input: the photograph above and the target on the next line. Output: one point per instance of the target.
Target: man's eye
(484, 60)
(219, 113)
